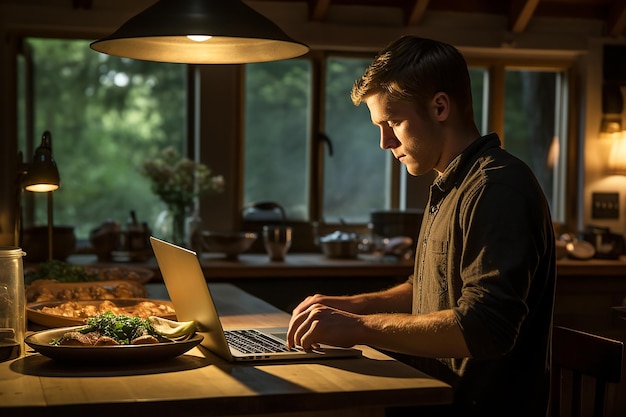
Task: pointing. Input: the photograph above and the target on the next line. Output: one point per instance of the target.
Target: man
(479, 303)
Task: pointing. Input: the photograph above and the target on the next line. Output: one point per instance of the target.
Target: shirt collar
(456, 169)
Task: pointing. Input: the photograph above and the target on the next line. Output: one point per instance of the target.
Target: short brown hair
(414, 69)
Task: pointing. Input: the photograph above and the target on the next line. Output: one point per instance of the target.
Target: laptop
(191, 296)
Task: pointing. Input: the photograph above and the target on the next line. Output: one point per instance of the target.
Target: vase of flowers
(178, 181)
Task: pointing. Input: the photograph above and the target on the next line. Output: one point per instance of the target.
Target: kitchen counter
(592, 267)
(253, 266)
(301, 265)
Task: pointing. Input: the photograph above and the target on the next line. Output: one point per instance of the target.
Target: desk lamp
(42, 175)
(200, 32)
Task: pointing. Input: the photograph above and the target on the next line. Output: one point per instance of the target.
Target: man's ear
(441, 106)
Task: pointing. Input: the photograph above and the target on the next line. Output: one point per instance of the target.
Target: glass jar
(12, 303)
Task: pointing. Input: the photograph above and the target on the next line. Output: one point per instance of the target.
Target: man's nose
(388, 139)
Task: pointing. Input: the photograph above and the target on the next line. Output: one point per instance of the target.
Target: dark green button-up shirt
(486, 251)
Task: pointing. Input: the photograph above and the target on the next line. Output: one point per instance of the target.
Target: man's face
(413, 138)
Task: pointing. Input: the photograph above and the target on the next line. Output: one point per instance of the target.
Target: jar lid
(11, 252)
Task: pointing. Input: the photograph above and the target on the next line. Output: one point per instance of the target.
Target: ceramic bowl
(230, 244)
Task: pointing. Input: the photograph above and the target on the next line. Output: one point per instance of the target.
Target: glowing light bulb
(199, 38)
(42, 188)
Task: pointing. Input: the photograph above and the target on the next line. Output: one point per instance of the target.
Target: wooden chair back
(582, 354)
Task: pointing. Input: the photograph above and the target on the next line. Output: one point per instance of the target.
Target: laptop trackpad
(280, 335)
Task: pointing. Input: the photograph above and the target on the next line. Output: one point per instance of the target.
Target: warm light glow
(178, 31)
(199, 38)
(617, 157)
(553, 152)
(41, 188)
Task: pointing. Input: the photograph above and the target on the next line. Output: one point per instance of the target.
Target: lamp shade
(200, 32)
(42, 174)
(612, 107)
(617, 155)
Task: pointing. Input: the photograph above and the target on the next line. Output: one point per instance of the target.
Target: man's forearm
(397, 299)
(435, 335)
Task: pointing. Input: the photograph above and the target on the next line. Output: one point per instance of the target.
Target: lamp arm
(50, 227)
(17, 234)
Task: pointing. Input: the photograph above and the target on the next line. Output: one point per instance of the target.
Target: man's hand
(313, 324)
(340, 303)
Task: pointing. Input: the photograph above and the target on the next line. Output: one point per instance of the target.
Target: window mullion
(28, 202)
(316, 147)
(495, 102)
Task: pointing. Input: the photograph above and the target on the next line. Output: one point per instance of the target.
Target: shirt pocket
(437, 266)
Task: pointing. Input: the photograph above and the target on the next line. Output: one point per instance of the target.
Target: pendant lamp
(200, 32)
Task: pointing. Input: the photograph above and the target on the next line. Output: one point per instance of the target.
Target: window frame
(496, 65)
(307, 231)
(401, 188)
(394, 199)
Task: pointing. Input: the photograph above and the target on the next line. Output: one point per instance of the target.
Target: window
(357, 173)
(479, 79)
(279, 163)
(277, 114)
(106, 115)
(526, 105)
(533, 128)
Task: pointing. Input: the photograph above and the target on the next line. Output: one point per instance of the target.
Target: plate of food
(109, 338)
(73, 313)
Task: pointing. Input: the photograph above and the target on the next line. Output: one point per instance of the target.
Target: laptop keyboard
(253, 341)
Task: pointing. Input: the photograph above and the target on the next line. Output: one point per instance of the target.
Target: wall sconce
(200, 32)
(42, 175)
(617, 155)
(613, 81)
(612, 107)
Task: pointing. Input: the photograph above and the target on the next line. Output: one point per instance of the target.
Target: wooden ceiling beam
(616, 20)
(416, 12)
(318, 10)
(520, 14)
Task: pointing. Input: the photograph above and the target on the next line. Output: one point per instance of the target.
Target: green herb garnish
(60, 271)
(121, 328)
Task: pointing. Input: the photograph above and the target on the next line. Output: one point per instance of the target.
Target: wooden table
(199, 383)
